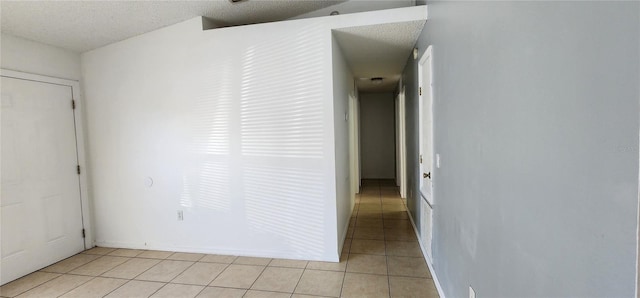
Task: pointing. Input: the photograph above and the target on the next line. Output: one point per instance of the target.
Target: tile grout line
(299, 279)
(133, 278)
(35, 286)
(77, 286)
(254, 282)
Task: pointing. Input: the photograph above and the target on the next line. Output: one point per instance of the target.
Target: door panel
(40, 196)
(426, 127)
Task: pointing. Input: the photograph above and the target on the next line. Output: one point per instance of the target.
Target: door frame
(428, 54)
(78, 116)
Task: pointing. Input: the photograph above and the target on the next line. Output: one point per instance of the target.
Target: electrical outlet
(472, 293)
(180, 215)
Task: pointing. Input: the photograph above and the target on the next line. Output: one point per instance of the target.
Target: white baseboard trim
(218, 251)
(424, 254)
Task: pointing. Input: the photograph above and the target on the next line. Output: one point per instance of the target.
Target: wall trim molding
(424, 255)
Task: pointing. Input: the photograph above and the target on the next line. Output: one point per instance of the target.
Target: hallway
(382, 250)
(381, 258)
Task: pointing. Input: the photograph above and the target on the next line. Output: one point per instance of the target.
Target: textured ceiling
(85, 25)
(378, 51)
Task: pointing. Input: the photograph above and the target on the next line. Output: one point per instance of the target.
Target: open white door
(426, 150)
(40, 198)
(426, 126)
(353, 145)
(401, 154)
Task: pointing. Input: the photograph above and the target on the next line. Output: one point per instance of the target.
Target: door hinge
(420, 158)
(78, 169)
(420, 91)
(73, 104)
(83, 234)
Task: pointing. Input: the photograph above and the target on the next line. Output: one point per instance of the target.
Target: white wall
(377, 129)
(37, 58)
(234, 126)
(354, 6)
(343, 87)
(536, 120)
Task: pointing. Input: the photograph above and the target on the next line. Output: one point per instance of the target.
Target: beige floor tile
(288, 263)
(330, 266)
(364, 246)
(71, 263)
(99, 250)
(238, 276)
(412, 287)
(215, 292)
(305, 296)
(397, 224)
(369, 233)
(218, 259)
(400, 235)
(155, 254)
(185, 256)
(178, 291)
(26, 283)
(396, 215)
(369, 223)
(265, 294)
(365, 285)
(200, 274)
(346, 246)
(278, 279)
(131, 268)
(97, 287)
(389, 208)
(322, 283)
(252, 261)
(408, 266)
(99, 266)
(370, 207)
(136, 289)
(403, 248)
(367, 201)
(370, 264)
(387, 196)
(125, 252)
(57, 286)
(369, 215)
(391, 201)
(164, 271)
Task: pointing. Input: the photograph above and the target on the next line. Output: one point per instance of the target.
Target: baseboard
(344, 235)
(218, 251)
(424, 254)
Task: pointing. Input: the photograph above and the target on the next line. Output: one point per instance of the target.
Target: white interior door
(426, 126)
(401, 180)
(40, 194)
(397, 107)
(403, 145)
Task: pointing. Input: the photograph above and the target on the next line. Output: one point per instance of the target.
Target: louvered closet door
(41, 210)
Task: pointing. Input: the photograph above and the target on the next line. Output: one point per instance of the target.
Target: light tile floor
(381, 258)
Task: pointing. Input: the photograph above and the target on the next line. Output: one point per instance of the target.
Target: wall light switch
(437, 160)
(180, 215)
